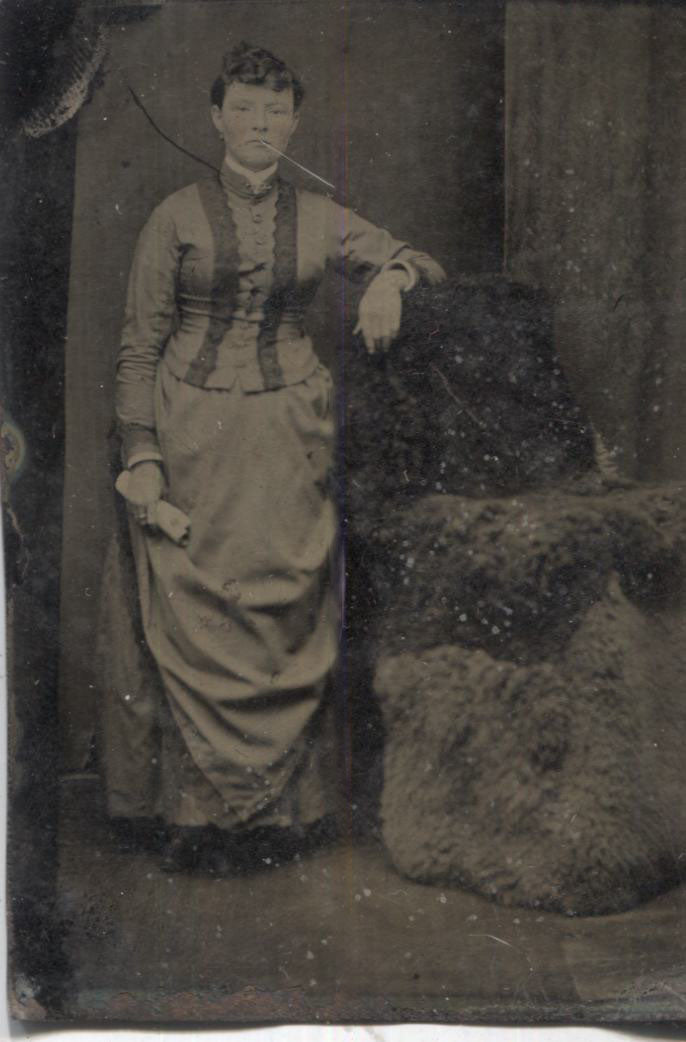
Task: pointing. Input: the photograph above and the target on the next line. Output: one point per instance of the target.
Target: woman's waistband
(290, 361)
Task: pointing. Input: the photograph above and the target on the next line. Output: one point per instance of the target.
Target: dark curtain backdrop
(596, 210)
(403, 115)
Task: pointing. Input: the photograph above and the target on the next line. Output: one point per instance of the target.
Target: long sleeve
(420, 266)
(149, 320)
(363, 250)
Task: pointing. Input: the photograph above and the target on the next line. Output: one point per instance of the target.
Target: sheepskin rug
(552, 776)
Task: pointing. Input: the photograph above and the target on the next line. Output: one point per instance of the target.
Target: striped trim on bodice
(285, 294)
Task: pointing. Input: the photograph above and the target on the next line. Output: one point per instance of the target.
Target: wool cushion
(545, 766)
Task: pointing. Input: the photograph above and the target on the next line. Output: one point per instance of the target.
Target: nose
(260, 120)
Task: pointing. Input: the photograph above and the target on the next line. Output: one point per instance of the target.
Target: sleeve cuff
(144, 457)
(139, 443)
(401, 266)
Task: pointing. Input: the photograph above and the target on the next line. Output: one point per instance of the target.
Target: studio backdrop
(596, 146)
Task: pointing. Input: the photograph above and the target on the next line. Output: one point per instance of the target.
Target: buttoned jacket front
(222, 276)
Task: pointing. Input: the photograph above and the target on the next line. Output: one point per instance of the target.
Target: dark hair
(248, 64)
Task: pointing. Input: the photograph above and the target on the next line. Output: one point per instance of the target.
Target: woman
(226, 413)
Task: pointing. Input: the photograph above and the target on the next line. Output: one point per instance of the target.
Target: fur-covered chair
(520, 617)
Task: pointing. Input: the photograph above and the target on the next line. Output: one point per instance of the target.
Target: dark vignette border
(36, 230)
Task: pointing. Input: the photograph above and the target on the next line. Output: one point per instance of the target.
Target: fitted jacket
(221, 279)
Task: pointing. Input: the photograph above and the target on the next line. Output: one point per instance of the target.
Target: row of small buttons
(257, 218)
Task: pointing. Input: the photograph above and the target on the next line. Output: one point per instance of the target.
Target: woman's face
(251, 112)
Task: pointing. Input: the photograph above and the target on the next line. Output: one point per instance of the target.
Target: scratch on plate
(493, 937)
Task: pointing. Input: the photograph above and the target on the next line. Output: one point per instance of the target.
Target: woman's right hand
(146, 484)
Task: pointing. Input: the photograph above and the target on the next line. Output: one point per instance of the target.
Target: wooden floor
(340, 936)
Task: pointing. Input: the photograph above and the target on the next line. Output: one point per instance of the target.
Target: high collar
(248, 183)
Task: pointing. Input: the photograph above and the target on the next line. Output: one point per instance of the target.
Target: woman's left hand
(380, 310)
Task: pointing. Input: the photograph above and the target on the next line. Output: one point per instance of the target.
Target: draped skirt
(218, 653)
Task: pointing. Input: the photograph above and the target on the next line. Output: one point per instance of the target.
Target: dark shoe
(138, 835)
(269, 846)
(321, 833)
(184, 850)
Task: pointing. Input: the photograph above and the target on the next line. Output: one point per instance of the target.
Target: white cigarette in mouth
(299, 165)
